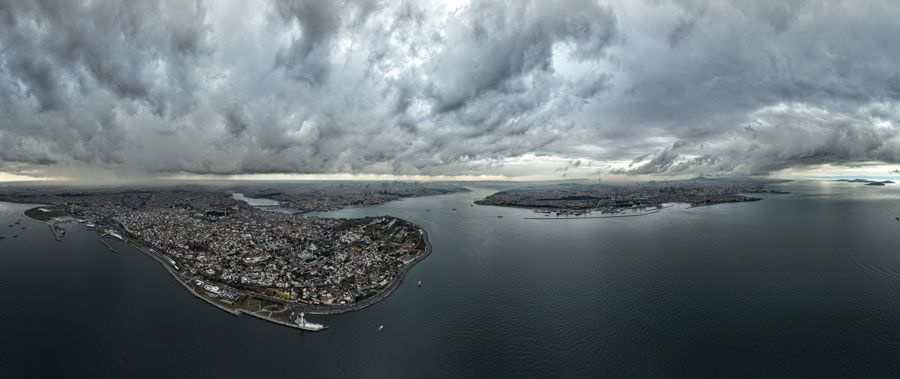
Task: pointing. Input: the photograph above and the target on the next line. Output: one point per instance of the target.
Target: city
(231, 253)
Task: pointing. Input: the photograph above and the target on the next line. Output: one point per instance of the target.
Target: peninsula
(579, 199)
(242, 259)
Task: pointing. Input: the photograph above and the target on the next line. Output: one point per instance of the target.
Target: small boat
(420, 284)
(428, 210)
(2, 237)
(898, 218)
(15, 236)
(23, 228)
(499, 216)
(454, 209)
(380, 328)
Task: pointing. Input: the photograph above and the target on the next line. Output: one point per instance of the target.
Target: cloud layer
(446, 88)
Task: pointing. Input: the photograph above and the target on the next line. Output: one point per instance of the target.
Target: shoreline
(297, 307)
(236, 309)
(590, 217)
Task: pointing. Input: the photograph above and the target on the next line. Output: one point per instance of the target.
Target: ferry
(306, 325)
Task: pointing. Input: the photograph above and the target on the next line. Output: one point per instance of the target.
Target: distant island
(578, 199)
(866, 181)
(271, 265)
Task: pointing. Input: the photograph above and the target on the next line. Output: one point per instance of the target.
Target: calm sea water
(802, 284)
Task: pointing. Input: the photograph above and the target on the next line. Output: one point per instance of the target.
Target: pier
(107, 243)
(53, 231)
(589, 217)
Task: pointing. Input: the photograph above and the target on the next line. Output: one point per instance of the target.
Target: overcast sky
(536, 89)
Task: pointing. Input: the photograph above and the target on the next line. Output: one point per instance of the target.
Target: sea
(801, 284)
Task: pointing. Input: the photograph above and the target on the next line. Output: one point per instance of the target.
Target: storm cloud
(447, 88)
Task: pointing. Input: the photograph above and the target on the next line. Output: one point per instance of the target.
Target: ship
(306, 325)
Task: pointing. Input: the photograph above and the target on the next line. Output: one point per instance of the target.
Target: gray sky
(522, 89)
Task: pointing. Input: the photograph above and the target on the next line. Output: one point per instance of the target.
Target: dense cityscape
(229, 252)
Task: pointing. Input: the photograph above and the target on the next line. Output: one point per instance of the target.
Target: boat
(499, 216)
(380, 328)
(2, 237)
(306, 325)
(15, 236)
(428, 210)
(90, 225)
(454, 209)
(420, 284)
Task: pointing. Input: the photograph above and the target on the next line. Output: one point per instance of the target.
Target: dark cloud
(681, 30)
(676, 87)
(762, 86)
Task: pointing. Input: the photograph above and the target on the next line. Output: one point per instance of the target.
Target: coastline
(296, 307)
(236, 309)
(591, 217)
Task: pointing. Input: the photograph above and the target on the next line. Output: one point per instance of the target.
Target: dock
(53, 231)
(107, 243)
(591, 217)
